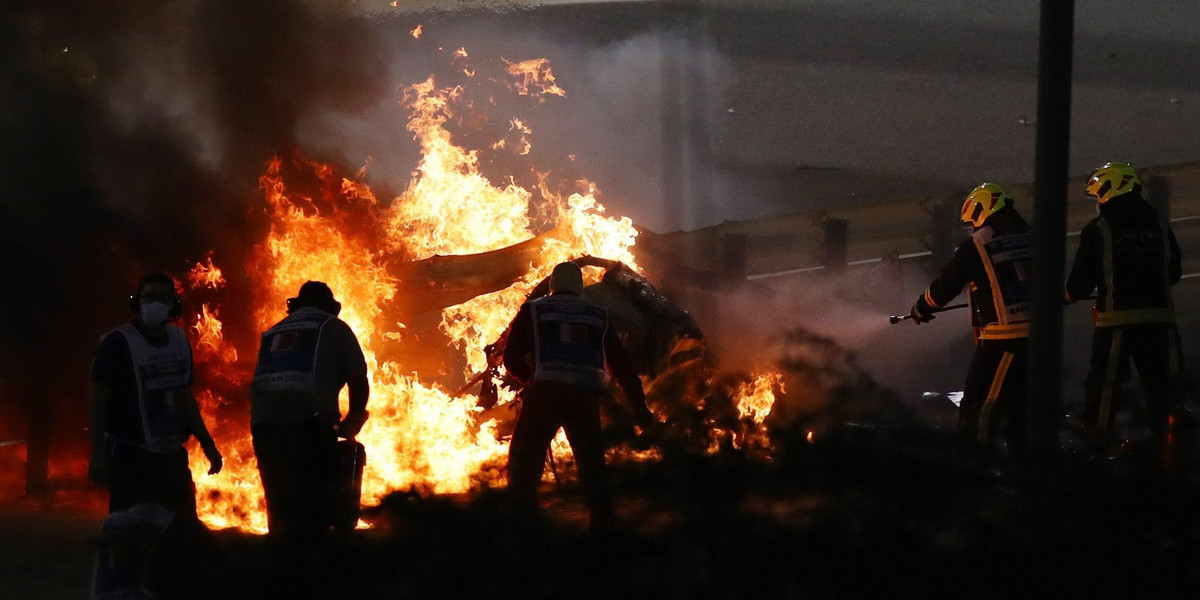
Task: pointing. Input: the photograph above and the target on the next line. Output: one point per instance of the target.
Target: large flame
(418, 434)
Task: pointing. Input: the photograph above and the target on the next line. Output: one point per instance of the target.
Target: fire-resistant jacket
(1124, 255)
(995, 264)
(563, 337)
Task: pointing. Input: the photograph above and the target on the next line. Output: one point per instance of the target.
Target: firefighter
(1129, 256)
(303, 363)
(994, 264)
(142, 410)
(559, 347)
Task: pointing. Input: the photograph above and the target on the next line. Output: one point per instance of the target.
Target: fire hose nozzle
(897, 318)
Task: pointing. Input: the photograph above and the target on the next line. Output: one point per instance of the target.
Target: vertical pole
(733, 253)
(1050, 223)
(835, 249)
(671, 114)
(943, 223)
(697, 134)
(1158, 194)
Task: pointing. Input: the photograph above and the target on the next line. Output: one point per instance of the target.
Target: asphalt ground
(862, 512)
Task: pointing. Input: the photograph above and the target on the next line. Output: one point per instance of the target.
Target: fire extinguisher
(352, 456)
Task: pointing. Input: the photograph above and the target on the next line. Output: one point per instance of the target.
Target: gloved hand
(352, 424)
(919, 316)
(215, 462)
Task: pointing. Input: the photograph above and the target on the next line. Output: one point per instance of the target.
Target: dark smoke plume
(131, 138)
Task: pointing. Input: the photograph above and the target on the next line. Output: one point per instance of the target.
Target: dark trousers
(994, 395)
(298, 466)
(1155, 350)
(137, 475)
(546, 407)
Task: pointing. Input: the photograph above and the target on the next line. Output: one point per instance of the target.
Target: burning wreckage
(429, 281)
(664, 341)
(433, 330)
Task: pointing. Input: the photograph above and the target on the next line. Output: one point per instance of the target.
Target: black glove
(215, 462)
(920, 316)
(350, 426)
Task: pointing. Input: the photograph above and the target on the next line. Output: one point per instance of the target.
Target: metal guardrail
(911, 255)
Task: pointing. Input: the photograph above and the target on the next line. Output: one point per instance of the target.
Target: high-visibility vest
(1007, 260)
(1106, 313)
(162, 377)
(287, 354)
(568, 340)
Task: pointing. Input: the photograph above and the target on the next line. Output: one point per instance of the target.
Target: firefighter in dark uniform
(994, 263)
(142, 410)
(559, 346)
(1129, 256)
(303, 363)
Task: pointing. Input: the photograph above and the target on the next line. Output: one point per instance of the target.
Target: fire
(209, 341)
(418, 434)
(416, 33)
(206, 275)
(534, 78)
(755, 398)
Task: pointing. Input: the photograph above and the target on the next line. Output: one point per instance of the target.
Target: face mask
(154, 314)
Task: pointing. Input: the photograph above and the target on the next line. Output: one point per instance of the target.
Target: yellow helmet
(1112, 180)
(983, 202)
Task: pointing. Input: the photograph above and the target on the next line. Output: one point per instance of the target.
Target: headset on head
(174, 305)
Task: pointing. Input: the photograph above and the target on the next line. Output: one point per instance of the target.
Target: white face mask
(154, 314)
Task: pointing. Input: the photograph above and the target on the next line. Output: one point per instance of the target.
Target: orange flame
(206, 275)
(210, 343)
(534, 78)
(756, 398)
(418, 434)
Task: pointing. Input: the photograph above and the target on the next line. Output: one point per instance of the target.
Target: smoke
(609, 127)
(132, 137)
(133, 133)
(831, 334)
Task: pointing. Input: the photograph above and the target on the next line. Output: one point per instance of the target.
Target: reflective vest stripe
(1117, 318)
(990, 269)
(1012, 252)
(1010, 331)
(929, 300)
(1110, 383)
(985, 414)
